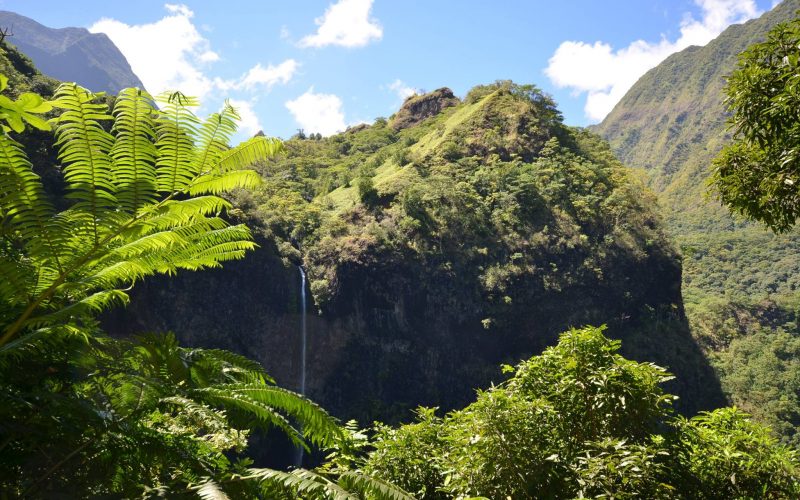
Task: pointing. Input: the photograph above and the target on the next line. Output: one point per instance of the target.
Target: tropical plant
(123, 417)
(145, 201)
(758, 174)
(582, 421)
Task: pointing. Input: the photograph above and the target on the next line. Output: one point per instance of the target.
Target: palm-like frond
(210, 490)
(349, 485)
(177, 129)
(249, 152)
(264, 401)
(213, 138)
(303, 482)
(372, 487)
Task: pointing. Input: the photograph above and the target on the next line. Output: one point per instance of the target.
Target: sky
(324, 65)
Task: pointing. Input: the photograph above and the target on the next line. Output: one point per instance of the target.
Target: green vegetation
(494, 192)
(757, 175)
(581, 421)
(489, 211)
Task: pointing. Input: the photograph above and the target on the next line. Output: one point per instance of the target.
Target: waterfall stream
(303, 332)
(303, 341)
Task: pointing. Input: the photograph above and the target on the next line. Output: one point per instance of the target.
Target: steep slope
(672, 121)
(740, 282)
(435, 251)
(71, 54)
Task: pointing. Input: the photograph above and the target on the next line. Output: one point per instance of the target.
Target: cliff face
(435, 253)
(389, 345)
(71, 54)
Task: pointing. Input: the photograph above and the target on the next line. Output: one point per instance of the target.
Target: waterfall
(303, 340)
(303, 332)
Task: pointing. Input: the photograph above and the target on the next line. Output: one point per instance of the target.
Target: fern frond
(224, 182)
(242, 403)
(317, 424)
(214, 136)
(254, 150)
(210, 490)
(25, 209)
(305, 482)
(176, 129)
(220, 365)
(134, 152)
(84, 150)
(90, 305)
(37, 342)
(372, 487)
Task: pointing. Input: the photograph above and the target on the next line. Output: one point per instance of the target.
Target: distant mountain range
(71, 54)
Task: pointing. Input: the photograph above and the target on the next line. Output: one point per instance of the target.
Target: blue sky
(324, 65)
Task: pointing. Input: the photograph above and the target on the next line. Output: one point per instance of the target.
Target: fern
(84, 151)
(134, 152)
(146, 201)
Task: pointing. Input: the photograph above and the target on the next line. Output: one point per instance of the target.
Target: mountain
(740, 281)
(71, 54)
(450, 238)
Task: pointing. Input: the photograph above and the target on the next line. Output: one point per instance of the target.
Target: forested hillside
(739, 279)
(438, 243)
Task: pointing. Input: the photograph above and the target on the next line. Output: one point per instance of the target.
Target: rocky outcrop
(418, 108)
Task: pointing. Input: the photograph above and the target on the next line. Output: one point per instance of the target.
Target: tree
(581, 421)
(758, 174)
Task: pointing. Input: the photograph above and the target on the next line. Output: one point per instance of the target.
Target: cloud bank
(604, 74)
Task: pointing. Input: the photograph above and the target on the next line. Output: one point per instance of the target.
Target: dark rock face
(71, 54)
(421, 107)
(389, 345)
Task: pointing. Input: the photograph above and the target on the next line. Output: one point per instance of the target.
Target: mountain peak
(71, 54)
(418, 108)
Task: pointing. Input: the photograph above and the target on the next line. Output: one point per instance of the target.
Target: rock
(417, 108)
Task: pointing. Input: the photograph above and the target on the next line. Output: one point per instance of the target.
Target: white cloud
(318, 112)
(345, 23)
(249, 123)
(167, 54)
(402, 90)
(605, 74)
(259, 76)
(270, 75)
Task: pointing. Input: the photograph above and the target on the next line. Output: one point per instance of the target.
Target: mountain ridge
(71, 54)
